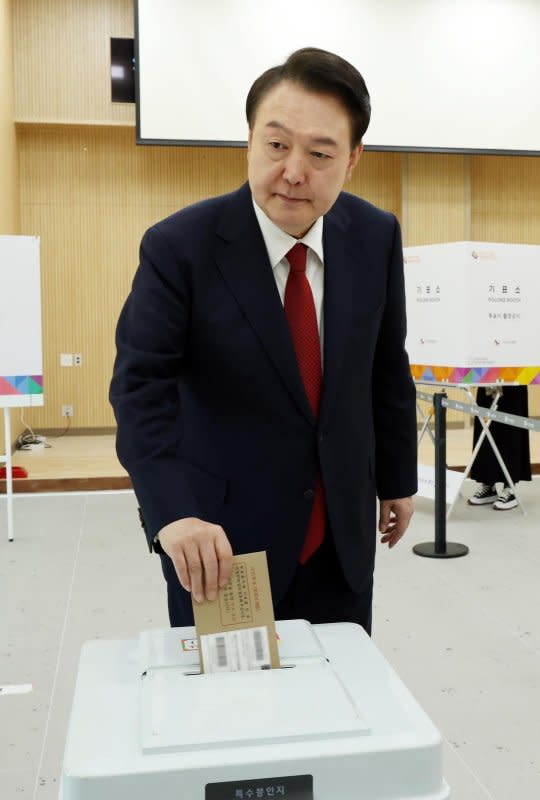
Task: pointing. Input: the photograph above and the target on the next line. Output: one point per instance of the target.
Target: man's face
(299, 155)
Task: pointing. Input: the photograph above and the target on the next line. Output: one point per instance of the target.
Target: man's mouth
(291, 200)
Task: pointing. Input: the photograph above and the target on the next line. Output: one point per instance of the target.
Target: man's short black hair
(322, 72)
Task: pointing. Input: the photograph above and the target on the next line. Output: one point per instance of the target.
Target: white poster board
(426, 483)
(472, 312)
(21, 364)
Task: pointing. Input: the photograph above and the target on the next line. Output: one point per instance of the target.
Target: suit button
(309, 494)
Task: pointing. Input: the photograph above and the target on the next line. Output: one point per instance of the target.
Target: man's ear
(250, 137)
(354, 158)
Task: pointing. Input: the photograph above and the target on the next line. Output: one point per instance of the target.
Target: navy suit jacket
(213, 420)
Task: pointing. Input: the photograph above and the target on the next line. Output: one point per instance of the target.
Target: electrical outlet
(67, 411)
(77, 359)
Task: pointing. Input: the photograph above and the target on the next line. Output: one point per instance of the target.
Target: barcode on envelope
(221, 651)
(259, 643)
(231, 651)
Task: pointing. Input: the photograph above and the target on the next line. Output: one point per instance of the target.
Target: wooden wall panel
(9, 182)
(505, 207)
(436, 198)
(90, 193)
(377, 178)
(436, 209)
(62, 60)
(505, 199)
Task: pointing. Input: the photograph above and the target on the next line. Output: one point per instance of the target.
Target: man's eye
(319, 155)
(277, 145)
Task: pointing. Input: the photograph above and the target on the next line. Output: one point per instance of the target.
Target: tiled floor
(463, 634)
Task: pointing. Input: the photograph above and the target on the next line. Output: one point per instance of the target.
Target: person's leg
(486, 494)
(482, 469)
(178, 600)
(506, 500)
(512, 443)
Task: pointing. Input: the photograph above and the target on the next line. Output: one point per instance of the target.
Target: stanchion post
(440, 548)
(440, 472)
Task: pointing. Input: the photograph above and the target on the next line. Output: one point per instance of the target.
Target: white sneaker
(485, 494)
(507, 500)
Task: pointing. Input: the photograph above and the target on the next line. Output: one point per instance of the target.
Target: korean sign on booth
(472, 312)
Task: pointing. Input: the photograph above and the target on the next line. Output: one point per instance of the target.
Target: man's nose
(295, 168)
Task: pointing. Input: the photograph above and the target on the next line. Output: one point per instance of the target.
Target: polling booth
(472, 320)
(21, 363)
(472, 313)
(333, 722)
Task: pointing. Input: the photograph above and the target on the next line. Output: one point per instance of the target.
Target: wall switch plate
(66, 359)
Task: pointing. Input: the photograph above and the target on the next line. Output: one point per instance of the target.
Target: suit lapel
(243, 262)
(339, 270)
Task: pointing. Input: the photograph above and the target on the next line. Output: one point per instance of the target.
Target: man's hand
(394, 519)
(201, 554)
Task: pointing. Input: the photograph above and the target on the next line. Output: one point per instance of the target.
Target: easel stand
(6, 459)
(485, 422)
(486, 433)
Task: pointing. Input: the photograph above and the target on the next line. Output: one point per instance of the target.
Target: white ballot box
(334, 723)
(472, 312)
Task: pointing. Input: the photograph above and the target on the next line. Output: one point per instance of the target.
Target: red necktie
(302, 319)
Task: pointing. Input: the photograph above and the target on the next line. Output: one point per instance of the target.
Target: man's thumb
(384, 517)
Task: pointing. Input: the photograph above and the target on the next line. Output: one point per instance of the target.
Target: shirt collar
(278, 243)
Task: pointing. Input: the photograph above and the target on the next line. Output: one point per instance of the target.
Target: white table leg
(9, 476)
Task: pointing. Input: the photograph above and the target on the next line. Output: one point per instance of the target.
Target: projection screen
(443, 75)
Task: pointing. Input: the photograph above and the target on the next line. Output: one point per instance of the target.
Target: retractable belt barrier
(440, 548)
(481, 411)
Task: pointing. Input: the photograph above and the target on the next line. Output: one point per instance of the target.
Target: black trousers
(513, 443)
(318, 592)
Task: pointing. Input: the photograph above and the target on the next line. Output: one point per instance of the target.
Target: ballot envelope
(335, 722)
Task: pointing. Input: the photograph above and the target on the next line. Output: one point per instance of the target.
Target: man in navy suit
(261, 387)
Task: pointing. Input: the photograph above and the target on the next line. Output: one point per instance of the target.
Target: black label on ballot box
(293, 787)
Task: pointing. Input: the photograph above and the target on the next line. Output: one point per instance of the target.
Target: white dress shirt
(278, 243)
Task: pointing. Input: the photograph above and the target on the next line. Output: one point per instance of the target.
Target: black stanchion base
(452, 550)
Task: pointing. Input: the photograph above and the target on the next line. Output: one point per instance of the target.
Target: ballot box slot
(177, 647)
(265, 667)
(196, 672)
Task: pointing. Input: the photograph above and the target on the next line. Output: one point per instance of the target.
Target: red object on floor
(16, 472)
